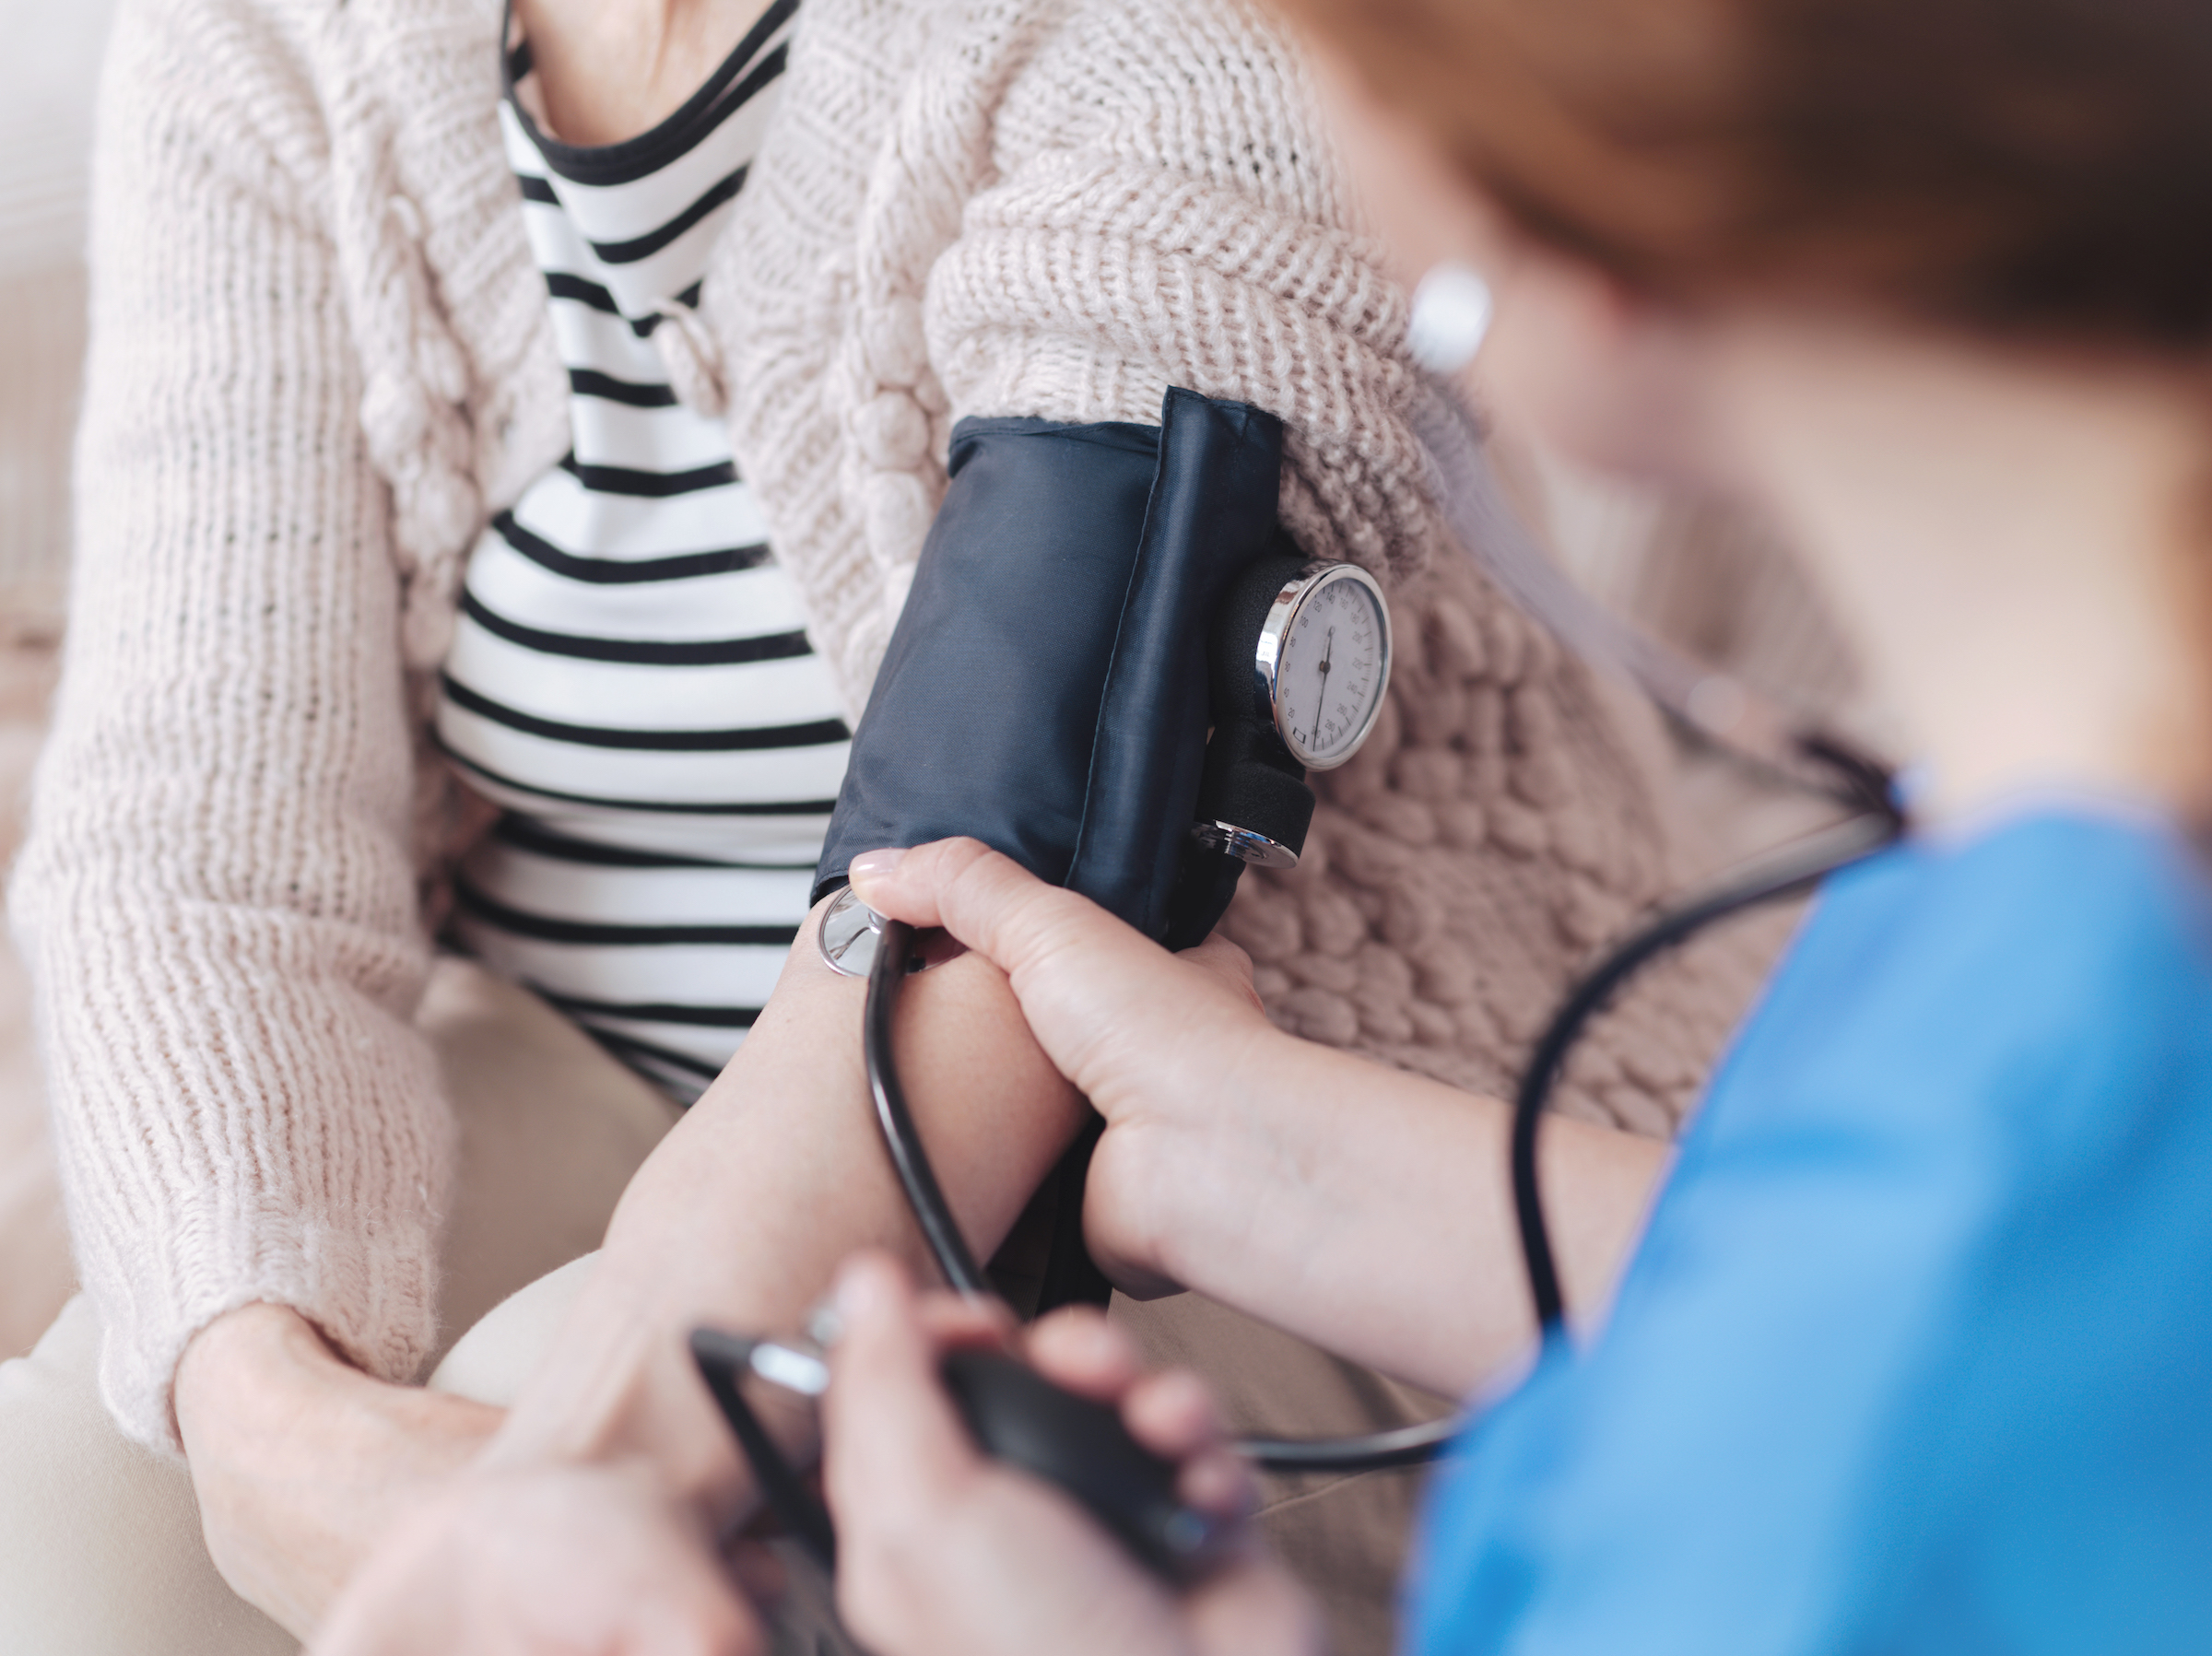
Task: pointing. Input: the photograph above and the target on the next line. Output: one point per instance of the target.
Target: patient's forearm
(743, 1213)
(1371, 1211)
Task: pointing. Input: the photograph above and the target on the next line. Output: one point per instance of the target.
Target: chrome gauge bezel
(1297, 592)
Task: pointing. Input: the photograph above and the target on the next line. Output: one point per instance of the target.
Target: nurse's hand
(1289, 1179)
(942, 1552)
(1159, 1043)
(1120, 1016)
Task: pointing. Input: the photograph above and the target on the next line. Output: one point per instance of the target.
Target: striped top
(630, 678)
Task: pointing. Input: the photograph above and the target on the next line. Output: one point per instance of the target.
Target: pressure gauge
(1300, 658)
(1323, 661)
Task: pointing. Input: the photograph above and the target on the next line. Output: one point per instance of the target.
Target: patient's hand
(582, 1560)
(301, 1462)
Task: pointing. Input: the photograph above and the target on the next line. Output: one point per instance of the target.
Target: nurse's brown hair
(2038, 167)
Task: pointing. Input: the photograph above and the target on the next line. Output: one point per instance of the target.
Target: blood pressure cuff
(1045, 689)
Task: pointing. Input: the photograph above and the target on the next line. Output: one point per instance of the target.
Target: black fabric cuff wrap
(1046, 688)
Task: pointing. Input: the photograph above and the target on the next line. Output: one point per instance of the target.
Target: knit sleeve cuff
(374, 1300)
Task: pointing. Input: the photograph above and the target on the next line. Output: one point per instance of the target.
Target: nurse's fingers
(1005, 913)
(1106, 1002)
(1079, 1348)
(978, 895)
(951, 1319)
(998, 908)
(1228, 962)
(893, 1444)
(1171, 1412)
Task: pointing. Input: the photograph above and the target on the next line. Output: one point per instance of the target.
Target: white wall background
(46, 79)
(48, 70)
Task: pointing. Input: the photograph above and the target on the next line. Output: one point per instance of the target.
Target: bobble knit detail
(322, 356)
(412, 408)
(1394, 936)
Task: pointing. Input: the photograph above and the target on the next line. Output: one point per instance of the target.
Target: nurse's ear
(1616, 379)
(1623, 382)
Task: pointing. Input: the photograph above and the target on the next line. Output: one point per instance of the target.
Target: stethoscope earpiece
(1452, 311)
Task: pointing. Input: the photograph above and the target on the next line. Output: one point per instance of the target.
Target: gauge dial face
(1332, 666)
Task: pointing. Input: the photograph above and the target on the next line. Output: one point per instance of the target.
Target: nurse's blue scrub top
(1916, 1355)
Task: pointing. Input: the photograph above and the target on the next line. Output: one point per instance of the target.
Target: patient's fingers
(547, 1560)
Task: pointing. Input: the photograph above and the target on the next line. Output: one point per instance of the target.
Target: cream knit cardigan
(321, 355)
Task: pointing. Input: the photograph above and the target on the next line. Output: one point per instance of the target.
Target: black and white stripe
(631, 675)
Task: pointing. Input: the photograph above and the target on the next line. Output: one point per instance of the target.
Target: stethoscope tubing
(917, 1178)
(1789, 872)
(1479, 518)
(1877, 822)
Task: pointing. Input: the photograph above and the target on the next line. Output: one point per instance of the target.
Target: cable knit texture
(322, 354)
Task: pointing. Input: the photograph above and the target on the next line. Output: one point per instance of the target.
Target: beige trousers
(100, 1553)
(100, 1540)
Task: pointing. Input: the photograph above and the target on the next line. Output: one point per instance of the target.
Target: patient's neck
(607, 70)
(2019, 546)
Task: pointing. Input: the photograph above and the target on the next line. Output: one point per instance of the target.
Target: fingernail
(874, 865)
(824, 1326)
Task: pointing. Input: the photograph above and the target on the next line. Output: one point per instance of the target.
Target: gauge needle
(1328, 654)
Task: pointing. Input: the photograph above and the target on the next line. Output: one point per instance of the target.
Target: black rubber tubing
(894, 954)
(1877, 822)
